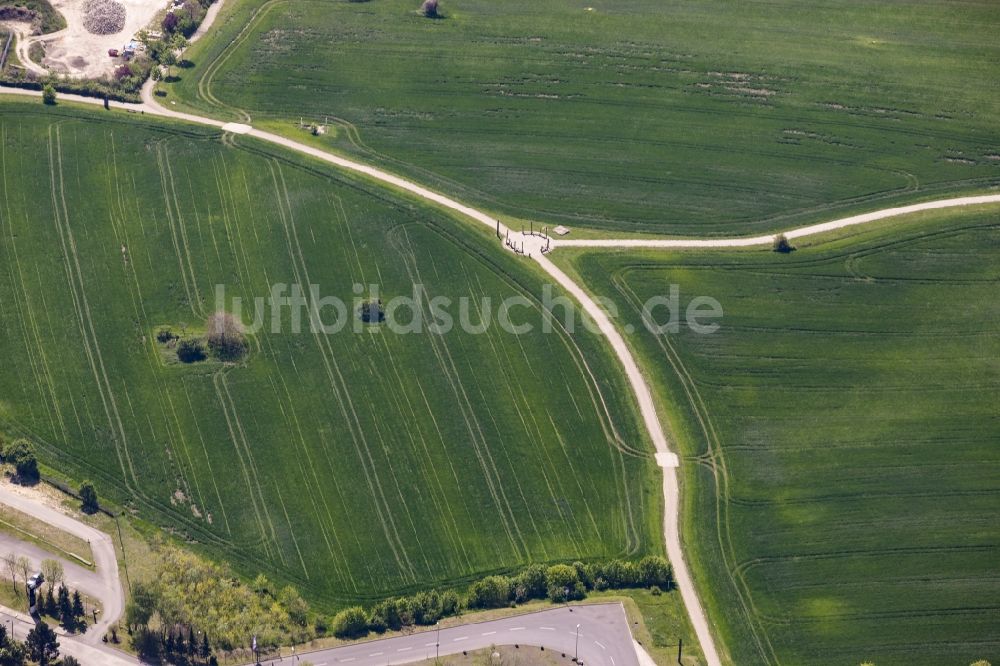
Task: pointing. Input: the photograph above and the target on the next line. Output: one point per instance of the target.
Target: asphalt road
(103, 584)
(605, 640)
(78, 577)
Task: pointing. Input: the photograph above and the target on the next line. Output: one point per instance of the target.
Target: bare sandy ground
(79, 54)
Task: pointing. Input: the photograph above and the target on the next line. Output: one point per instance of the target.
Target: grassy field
(841, 473)
(687, 117)
(352, 464)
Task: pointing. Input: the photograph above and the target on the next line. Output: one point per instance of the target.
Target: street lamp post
(576, 655)
(437, 643)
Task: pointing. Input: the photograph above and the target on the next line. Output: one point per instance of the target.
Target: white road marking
(600, 645)
(399, 650)
(612, 661)
(429, 644)
(547, 628)
(460, 638)
(344, 661)
(516, 629)
(375, 654)
(488, 633)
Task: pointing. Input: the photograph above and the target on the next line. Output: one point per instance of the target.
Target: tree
(53, 572)
(49, 606)
(350, 623)
(42, 645)
(24, 568)
(21, 454)
(12, 654)
(88, 497)
(205, 648)
(225, 337)
(65, 607)
(10, 562)
(297, 607)
(77, 606)
(170, 22)
(430, 8)
(49, 94)
(70, 661)
(140, 608)
(782, 245)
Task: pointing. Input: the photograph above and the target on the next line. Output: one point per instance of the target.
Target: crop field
(842, 478)
(353, 464)
(687, 117)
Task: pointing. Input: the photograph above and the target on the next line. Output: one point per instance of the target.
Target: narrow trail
(532, 246)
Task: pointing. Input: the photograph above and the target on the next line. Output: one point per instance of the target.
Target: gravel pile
(103, 17)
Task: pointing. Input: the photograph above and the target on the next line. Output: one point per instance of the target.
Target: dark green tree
(77, 606)
(88, 497)
(65, 608)
(21, 454)
(42, 645)
(47, 605)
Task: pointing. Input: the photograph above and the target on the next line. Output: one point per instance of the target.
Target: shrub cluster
(559, 582)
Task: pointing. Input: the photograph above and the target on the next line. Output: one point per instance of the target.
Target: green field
(841, 474)
(352, 464)
(686, 117)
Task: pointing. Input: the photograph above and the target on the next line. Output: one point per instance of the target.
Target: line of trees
(558, 583)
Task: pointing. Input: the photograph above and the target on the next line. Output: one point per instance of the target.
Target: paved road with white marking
(604, 640)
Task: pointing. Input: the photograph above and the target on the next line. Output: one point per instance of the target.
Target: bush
(165, 335)
(782, 245)
(427, 607)
(490, 592)
(563, 584)
(655, 571)
(49, 94)
(532, 581)
(430, 8)
(21, 454)
(190, 351)
(350, 623)
(615, 575)
(450, 603)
